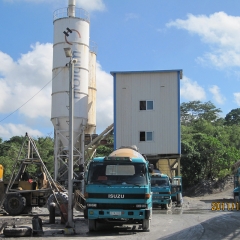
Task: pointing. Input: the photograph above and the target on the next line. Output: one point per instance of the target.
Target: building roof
(148, 71)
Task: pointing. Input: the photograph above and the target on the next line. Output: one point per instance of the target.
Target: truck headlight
(94, 205)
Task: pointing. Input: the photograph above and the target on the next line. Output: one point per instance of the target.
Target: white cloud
(237, 98)
(21, 86)
(91, 5)
(5, 91)
(217, 96)
(104, 99)
(9, 130)
(221, 58)
(219, 31)
(24, 79)
(191, 91)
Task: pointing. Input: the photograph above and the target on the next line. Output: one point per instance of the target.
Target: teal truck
(166, 191)
(118, 190)
(236, 189)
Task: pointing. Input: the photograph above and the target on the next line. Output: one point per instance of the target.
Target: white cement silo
(71, 30)
(92, 92)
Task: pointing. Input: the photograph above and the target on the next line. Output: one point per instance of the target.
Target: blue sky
(200, 37)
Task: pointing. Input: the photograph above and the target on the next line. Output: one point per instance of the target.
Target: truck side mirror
(150, 169)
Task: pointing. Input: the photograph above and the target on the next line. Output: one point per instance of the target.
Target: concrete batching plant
(71, 30)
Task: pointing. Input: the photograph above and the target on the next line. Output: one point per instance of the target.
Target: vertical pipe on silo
(71, 8)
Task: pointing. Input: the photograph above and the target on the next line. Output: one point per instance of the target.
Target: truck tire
(92, 225)
(62, 199)
(14, 204)
(179, 200)
(168, 206)
(21, 231)
(146, 225)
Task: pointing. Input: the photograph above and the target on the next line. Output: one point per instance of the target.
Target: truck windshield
(117, 173)
(160, 182)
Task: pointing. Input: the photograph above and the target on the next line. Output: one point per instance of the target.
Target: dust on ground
(206, 192)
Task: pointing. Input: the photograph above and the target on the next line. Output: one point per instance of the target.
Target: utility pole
(68, 53)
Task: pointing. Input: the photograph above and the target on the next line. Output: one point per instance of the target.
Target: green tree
(233, 117)
(190, 164)
(209, 146)
(103, 151)
(195, 110)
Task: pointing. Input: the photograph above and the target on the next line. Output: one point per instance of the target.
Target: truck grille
(116, 196)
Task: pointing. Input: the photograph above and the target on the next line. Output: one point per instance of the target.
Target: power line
(29, 99)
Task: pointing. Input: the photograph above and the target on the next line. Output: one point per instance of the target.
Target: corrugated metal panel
(164, 166)
(163, 89)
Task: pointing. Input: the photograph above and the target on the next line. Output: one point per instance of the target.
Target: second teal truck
(236, 189)
(166, 191)
(118, 190)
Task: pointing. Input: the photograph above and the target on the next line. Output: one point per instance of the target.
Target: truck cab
(118, 190)
(166, 191)
(161, 188)
(236, 189)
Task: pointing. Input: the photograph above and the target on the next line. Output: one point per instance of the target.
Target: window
(146, 105)
(149, 136)
(146, 136)
(117, 172)
(142, 136)
(149, 105)
(160, 182)
(120, 170)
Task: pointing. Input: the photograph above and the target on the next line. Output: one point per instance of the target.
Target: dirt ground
(201, 201)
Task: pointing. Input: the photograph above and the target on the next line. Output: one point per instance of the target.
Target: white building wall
(162, 87)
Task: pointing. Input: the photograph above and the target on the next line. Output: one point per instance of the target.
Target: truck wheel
(169, 205)
(179, 200)
(14, 204)
(146, 225)
(17, 231)
(91, 225)
(180, 203)
(62, 199)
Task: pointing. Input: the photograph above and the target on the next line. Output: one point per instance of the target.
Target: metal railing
(79, 13)
(93, 47)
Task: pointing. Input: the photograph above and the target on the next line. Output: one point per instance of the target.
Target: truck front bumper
(160, 200)
(117, 214)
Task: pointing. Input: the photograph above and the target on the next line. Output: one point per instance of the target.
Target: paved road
(194, 221)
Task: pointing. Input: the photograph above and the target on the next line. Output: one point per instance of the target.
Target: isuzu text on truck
(118, 190)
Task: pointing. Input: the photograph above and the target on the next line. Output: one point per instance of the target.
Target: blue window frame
(146, 136)
(146, 105)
